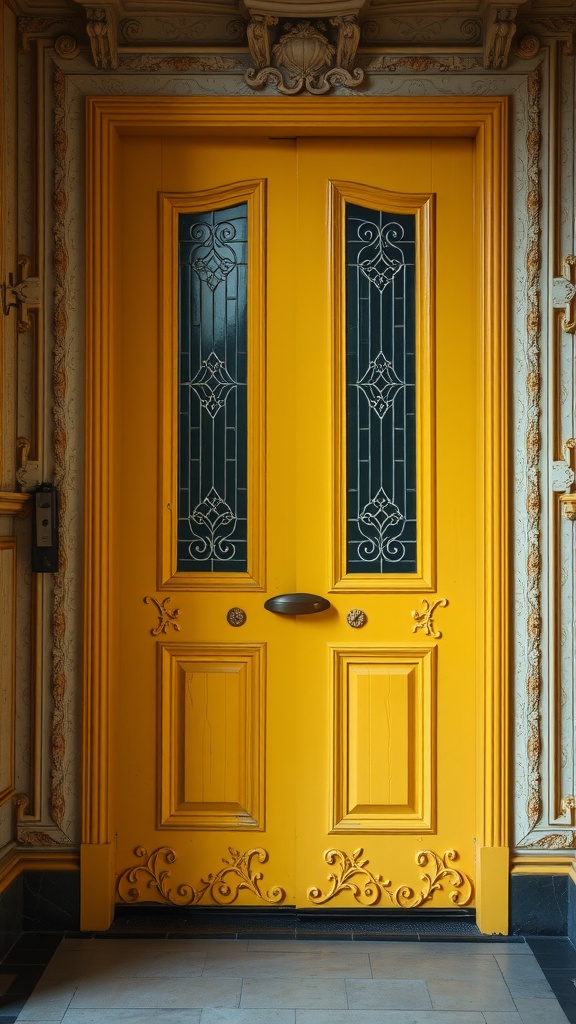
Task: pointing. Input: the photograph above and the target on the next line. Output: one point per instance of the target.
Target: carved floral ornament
(308, 55)
(151, 879)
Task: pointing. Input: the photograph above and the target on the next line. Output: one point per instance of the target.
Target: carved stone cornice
(296, 10)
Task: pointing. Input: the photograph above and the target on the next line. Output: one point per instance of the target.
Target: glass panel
(380, 391)
(212, 432)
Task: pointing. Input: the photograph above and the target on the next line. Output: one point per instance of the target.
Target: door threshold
(154, 921)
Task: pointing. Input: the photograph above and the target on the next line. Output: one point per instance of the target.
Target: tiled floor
(286, 981)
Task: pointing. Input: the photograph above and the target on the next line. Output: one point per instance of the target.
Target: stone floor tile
(388, 994)
(474, 948)
(93, 1016)
(524, 988)
(539, 1011)
(293, 993)
(497, 1017)
(216, 1016)
(164, 993)
(428, 968)
(470, 995)
(304, 964)
(518, 967)
(47, 1002)
(387, 1017)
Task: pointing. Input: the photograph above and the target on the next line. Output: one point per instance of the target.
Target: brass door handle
(297, 604)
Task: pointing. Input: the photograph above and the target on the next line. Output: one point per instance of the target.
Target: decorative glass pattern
(212, 431)
(380, 391)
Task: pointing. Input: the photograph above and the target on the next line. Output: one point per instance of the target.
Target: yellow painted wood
(125, 174)
(212, 749)
(493, 873)
(384, 755)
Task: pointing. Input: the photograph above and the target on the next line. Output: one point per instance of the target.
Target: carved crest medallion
(304, 58)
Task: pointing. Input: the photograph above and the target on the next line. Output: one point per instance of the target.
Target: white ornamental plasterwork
(165, 74)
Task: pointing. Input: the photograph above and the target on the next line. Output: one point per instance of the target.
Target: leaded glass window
(212, 366)
(380, 391)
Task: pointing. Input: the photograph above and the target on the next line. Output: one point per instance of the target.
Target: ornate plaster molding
(305, 56)
(298, 9)
(102, 27)
(499, 31)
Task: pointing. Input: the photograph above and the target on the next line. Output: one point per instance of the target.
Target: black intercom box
(45, 529)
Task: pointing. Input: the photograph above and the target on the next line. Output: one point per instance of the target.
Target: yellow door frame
(481, 118)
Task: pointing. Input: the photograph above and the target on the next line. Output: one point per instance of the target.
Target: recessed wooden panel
(211, 755)
(7, 665)
(383, 745)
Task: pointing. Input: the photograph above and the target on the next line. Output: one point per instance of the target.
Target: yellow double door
(324, 759)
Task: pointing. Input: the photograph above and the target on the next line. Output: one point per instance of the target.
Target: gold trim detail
(17, 861)
(425, 619)
(372, 887)
(166, 616)
(568, 505)
(154, 875)
(12, 503)
(564, 294)
(540, 863)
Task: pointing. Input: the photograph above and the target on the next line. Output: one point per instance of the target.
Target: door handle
(297, 604)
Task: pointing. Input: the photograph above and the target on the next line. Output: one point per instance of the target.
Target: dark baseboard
(50, 901)
(11, 907)
(539, 904)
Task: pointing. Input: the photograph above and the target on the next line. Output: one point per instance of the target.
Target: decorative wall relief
(151, 880)
(533, 447)
(304, 58)
(352, 874)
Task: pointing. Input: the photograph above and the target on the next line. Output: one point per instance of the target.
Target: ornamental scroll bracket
(307, 52)
(564, 294)
(563, 480)
(21, 295)
(102, 27)
(499, 31)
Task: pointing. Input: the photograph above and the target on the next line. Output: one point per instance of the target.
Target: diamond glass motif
(213, 384)
(213, 424)
(380, 391)
(380, 384)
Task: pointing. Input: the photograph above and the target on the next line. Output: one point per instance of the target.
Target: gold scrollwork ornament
(353, 875)
(152, 877)
(425, 619)
(166, 616)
